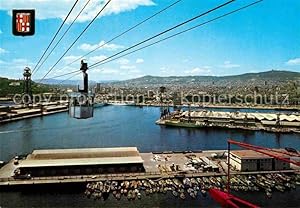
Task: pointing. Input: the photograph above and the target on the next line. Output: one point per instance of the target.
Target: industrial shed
(61, 162)
(249, 160)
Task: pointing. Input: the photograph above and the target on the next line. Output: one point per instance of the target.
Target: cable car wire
(176, 34)
(161, 33)
(165, 31)
(63, 35)
(55, 35)
(62, 75)
(75, 40)
(60, 83)
(123, 33)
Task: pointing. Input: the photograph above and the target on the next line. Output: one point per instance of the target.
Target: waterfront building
(249, 160)
(64, 162)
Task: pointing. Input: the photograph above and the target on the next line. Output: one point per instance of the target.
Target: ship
(98, 105)
(126, 103)
(178, 123)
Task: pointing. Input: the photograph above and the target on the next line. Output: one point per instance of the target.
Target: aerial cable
(63, 35)
(78, 72)
(161, 33)
(55, 35)
(62, 75)
(123, 33)
(75, 40)
(176, 34)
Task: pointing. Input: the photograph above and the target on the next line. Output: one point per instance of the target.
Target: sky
(260, 38)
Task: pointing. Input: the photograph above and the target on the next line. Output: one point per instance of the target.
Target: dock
(15, 113)
(157, 166)
(271, 122)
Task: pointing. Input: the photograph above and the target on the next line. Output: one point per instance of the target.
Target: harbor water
(114, 126)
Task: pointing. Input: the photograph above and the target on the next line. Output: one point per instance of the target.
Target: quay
(100, 164)
(272, 122)
(295, 108)
(20, 112)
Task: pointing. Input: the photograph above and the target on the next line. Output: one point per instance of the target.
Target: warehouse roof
(242, 115)
(83, 153)
(81, 157)
(250, 154)
(79, 162)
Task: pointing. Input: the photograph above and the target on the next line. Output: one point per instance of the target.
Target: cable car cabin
(81, 105)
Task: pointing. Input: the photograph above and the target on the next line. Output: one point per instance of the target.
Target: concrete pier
(16, 113)
(157, 165)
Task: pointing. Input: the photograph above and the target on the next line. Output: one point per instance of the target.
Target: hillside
(269, 76)
(11, 86)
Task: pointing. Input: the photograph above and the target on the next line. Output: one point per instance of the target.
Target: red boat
(227, 200)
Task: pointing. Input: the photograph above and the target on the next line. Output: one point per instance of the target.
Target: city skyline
(260, 38)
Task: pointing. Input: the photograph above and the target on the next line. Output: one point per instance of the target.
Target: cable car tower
(27, 86)
(81, 103)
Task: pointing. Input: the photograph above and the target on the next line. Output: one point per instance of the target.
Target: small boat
(194, 181)
(98, 105)
(105, 195)
(87, 193)
(118, 196)
(182, 196)
(279, 188)
(288, 185)
(203, 192)
(147, 191)
(175, 193)
(99, 195)
(192, 195)
(293, 186)
(268, 194)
